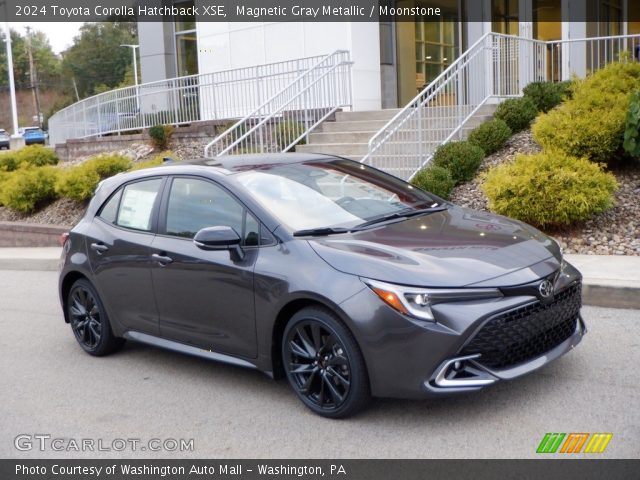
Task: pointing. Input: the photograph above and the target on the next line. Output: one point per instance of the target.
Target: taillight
(63, 238)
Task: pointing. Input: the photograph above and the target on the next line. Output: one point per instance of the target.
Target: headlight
(416, 302)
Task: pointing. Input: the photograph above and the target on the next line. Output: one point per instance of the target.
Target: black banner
(291, 10)
(315, 469)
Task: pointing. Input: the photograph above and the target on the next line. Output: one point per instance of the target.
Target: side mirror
(219, 238)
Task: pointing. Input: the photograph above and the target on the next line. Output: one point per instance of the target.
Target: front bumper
(471, 375)
(409, 358)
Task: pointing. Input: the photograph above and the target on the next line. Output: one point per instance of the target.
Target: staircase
(349, 134)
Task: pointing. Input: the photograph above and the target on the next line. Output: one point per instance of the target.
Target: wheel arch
(285, 314)
(65, 287)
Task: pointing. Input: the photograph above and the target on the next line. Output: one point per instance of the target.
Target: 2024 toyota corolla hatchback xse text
(346, 280)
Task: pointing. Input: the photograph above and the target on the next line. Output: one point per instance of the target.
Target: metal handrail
(439, 113)
(220, 95)
(299, 107)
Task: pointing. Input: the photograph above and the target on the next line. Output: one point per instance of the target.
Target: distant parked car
(5, 139)
(34, 135)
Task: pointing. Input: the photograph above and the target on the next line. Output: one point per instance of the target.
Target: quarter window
(136, 205)
(195, 204)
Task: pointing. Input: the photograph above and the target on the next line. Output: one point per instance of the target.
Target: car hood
(455, 247)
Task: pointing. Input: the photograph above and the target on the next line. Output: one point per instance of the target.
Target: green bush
(490, 136)
(108, 165)
(547, 95)
(437, 180)
(549, 189)
(631, 142)
(79, 182)
(9, 162)
(461, 159)
(517, 113)
(160, 135)
(4, 176)
(28, 188)
(287, 131)
(592, 123)
(156, 161)
(37, 156)
(34, 155)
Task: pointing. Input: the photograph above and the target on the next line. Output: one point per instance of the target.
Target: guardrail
(210, 96)
(291, 114)
(496, 66)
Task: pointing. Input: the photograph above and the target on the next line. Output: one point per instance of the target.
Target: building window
(504, 16)
(186, 42)
(610, 16)
(435, 47)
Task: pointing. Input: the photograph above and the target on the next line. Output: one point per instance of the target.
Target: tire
(89, 320)
(324, 365)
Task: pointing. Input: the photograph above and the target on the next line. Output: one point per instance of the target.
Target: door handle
(162, 259)
(100, 248)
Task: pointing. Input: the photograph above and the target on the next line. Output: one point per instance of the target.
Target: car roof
(237, 163)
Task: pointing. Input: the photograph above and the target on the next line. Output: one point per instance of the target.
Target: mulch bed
(614, 232)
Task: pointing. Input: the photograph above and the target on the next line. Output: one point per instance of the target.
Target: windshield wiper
(401, 214)
(321, 231)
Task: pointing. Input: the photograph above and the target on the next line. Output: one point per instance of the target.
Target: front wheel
(324, 365)
(89, 320)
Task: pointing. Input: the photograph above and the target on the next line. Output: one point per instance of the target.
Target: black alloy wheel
(324, 364)
(89, 321)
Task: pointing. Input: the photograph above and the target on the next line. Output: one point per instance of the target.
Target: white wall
(226, 45)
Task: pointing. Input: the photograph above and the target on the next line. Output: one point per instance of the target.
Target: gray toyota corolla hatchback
(346, 280)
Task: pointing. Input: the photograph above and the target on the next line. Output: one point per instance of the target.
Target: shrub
(549, 189)
(517, 113)
(37, 156)
(287, 131)
(156, 161)
(490, 136)
(4, 176)
(9, 162)
(28, 188)
(461, 159)
(592, 123)
(79, 183)
(547, 95)
(631, 142)
(160, 135)
(108, 165)
(34, 155)
(436, 180)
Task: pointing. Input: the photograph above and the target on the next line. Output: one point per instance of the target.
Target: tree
(46, 62)
(96, 58)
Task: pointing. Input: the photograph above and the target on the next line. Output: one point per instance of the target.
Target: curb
(593, 293)
(610, 296)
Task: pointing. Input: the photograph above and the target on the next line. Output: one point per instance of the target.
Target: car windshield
(334, 194)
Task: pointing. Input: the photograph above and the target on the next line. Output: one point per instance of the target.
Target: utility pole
(33, 76)
(12, 85)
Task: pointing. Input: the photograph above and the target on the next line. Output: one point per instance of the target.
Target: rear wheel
(324, 365)
(89, 320)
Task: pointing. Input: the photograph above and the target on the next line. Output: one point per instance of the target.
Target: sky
(60, 34)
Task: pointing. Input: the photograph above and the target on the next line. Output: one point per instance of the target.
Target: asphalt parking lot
(49, 386)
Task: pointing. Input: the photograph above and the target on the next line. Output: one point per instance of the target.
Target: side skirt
(188, 349)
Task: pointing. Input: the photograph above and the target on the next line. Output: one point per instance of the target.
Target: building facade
(392, 61)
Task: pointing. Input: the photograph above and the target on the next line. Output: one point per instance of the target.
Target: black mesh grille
(527, 332)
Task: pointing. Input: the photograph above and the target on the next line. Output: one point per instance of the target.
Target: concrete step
(363, 137)
(356, 150)
(389, 113)
(376, 125)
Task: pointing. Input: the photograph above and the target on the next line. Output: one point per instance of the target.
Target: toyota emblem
(545, 289)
